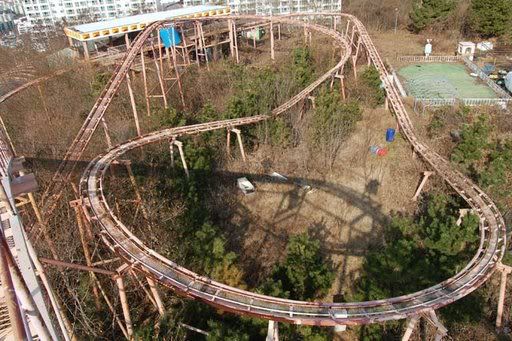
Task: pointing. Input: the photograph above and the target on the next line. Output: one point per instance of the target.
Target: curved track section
(133, 251)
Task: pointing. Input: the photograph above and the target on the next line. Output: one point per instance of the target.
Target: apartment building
(9, 10)
(275, 7)
(48, 13)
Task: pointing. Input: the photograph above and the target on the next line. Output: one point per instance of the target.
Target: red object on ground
(382, 152)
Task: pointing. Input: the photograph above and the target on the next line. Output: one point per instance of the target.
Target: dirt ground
(404, 43)
(345, 208)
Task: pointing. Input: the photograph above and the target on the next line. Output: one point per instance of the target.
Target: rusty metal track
(122, 241)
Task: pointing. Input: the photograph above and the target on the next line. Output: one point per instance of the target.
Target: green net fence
(443, 81)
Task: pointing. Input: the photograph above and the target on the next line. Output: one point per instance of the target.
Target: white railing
(503, 102)
(430, 59)
(420, 104)
(483, 76)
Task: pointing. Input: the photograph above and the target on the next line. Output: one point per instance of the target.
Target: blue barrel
(170, 37)
(390, 135)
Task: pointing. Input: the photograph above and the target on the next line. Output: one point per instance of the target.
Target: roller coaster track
(133, 251)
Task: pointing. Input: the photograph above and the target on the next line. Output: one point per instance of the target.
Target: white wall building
(265, 7)
(51, 12)
(9, 10)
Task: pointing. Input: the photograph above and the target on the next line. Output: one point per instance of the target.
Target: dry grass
(345, 210)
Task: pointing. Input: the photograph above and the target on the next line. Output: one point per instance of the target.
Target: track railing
(122, 241)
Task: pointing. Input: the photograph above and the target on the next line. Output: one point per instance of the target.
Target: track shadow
(288, 211)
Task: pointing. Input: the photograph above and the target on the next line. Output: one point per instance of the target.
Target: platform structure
(86, 36)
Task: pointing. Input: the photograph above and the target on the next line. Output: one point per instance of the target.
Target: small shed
(467, 49)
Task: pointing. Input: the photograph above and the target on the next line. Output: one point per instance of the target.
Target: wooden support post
(134, 106)
(354, 67)
(196, 44)
(426, 175)
(231, 43)
(313, 101)
(462, 213)
(335, 24)
(441, 330)
(358, 48)
(240, 144)
(186, 56)
(411, 325)
(182, 155)
(160, 79)
(272, 55)
(177, 74)
(352, 35)
(107, 135)
(145, 81)
(124, 306)
(348, 27)
(160, 57)
(278, 31)
(386, 103)
(171, 150)
(85, 247)
(342, 86)
(235, 37)
(505, 271)
(127, 41)
(228, 142)
(143, 287)
(305, 35)
(202, 42)
(272, 331)
(86, 50)
(75, 266)
(156, 296)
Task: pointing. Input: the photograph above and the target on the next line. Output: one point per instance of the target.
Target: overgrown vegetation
(428, 12)
(305, 274)
(419, 251)
(490, 18)
(482, 149)
(332, 123)
(371, 79)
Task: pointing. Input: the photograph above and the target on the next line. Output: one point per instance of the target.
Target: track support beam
(273, 331)
(411, 325)
(238, 133)
(426, 175)
(505, 271)
(124, 306)
(173, 142)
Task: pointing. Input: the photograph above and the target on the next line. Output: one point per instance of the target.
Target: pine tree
(304, 275)
(491, 18)
(426, 12)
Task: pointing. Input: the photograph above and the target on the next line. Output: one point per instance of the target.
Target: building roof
(108, 28)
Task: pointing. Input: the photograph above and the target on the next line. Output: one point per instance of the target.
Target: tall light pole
(396, 19)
